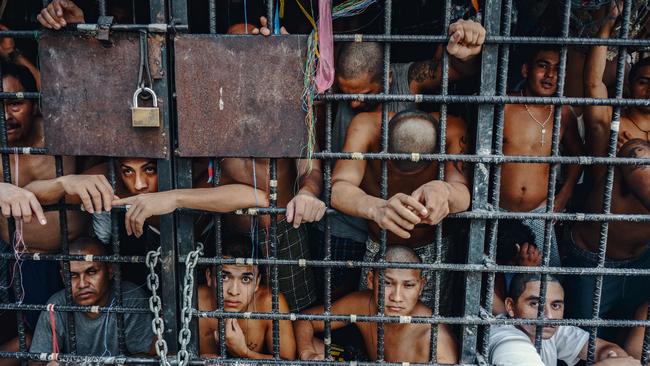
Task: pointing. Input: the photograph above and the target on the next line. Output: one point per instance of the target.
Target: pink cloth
(325, 71)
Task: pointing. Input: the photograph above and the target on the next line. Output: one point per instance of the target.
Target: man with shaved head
(402, 342)
(417, 199)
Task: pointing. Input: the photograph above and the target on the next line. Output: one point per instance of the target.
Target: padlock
(145, 116)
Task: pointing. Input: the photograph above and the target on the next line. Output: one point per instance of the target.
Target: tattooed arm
(637, 177)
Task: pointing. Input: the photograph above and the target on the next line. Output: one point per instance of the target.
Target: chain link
(157, 324)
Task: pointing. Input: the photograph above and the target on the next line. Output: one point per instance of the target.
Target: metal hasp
(240, 95)
(86, 105)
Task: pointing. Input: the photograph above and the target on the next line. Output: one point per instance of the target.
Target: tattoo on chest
(252, 345)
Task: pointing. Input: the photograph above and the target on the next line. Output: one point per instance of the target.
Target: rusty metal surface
(240, 96)
(87, 95)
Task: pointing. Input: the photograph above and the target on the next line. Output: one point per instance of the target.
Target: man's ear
(524, 70)
(510, 307)
(390, 77)
(370, 278)
(110, 268)
(208, 277)
(423, 282)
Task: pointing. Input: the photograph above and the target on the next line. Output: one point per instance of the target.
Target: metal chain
(184, 334)
(157, 324)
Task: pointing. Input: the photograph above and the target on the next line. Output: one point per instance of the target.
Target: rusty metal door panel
(240, 96)
(87, 95)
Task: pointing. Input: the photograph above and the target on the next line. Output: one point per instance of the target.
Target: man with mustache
(96, 333)
(514, 344)
(527, 131)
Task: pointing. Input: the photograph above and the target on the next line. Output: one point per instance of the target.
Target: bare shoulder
(366, 121)
(204, 294)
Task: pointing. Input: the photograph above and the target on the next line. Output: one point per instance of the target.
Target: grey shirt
(345, 226)
(97, 336)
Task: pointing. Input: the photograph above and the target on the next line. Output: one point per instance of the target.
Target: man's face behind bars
(541, 73)
(91, 282)
(402, 289)
(640, 86)
(239, 286)
(19, 113)
(526, 305)
(139, 175)
(362, 84)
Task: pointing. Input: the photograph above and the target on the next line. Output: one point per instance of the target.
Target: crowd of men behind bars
(419, 199)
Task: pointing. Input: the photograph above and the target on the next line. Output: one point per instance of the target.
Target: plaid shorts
(296, 283)
(342, 249)
(427, 255)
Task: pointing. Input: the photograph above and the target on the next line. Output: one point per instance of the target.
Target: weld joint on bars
(494, 40)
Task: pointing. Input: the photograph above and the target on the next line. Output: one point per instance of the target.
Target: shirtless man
(359, 69)
(36, 174)
(627, 242)
(417, 201)
(242, 292)
(402, 342)
(528, 131)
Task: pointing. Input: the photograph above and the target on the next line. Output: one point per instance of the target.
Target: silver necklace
(542, 125)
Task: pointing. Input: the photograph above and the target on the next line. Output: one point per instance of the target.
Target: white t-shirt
(511, 346)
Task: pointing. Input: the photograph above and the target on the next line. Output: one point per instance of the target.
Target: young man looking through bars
(417, 200)
(528, 131)
(409, 342)
(359, 69)
(96, 333)
(514, 344)
(242, 293)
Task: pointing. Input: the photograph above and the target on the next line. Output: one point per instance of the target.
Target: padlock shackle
(148, 90)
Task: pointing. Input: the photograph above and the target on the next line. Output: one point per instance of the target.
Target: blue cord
(276, 22)
(246, 15)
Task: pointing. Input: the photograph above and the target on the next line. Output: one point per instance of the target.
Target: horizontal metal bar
(484, 99)
(486, 320)
(492, 39)
(20, 95)
(80, 359)
(152, 28)
(486, 267)
(23, 150)
(477, 214)
(66, 257)
(74, 308)
(488, 159)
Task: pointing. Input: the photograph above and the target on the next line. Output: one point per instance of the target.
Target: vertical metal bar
(63, 231)
(216, 219)
(496, 169)
(270, 11)
(169, 278)
(117, 273)
(273, 193)
(645, 348)
(178, 11)
(550, 198)
(101, 4)
(609, 179)
(489, 58)
(212, 13)
(388, 10)
(185, 235)
(11, 228)
(327, 178)
(442, 149)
